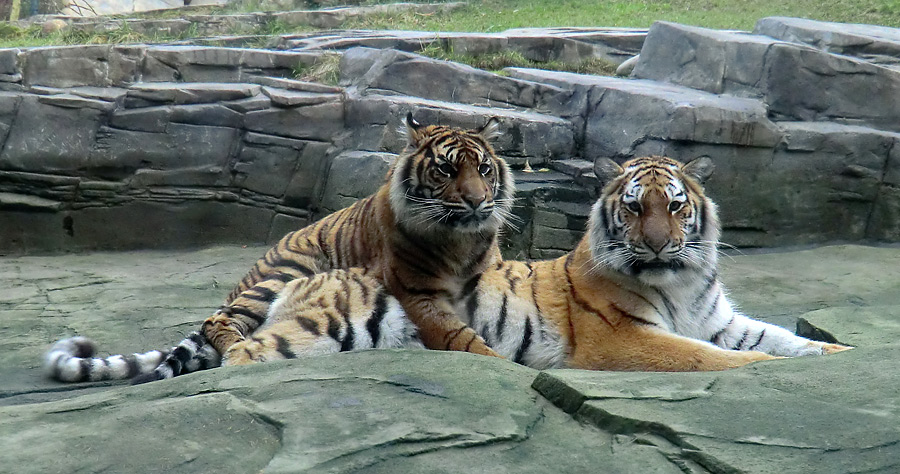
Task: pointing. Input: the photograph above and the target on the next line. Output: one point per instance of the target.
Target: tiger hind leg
(242, 316)
(329, 312)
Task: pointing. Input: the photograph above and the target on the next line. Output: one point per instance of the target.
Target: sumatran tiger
(425, 235)
(639, 292)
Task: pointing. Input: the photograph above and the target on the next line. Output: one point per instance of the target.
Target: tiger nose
(474, 200)
(656, 244)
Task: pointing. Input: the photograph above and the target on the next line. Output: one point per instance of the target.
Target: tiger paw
(237, 355)
(828, 348)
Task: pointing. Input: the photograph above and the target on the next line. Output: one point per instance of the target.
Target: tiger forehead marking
(651, 176)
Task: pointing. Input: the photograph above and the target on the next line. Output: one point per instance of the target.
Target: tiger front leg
(742, 333)
(440, 328)
(639, 348)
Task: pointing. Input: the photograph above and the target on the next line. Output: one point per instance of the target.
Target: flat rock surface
(424, 411)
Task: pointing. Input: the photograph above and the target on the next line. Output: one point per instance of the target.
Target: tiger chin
(424, 235)
(639, 292)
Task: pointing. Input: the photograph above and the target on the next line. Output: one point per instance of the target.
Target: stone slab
(392, 411)
(821, 86)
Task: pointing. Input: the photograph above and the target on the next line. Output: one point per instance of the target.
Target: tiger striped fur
(424, 234)
(639, 292)
(329, 312)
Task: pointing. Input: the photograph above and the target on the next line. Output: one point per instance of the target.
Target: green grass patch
(499, 15)
(495, 62)
(326, 70)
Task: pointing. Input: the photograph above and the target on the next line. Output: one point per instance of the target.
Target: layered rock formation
(174, 146)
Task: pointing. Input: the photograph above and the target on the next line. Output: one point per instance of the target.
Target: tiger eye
(675, 206)
(485, 169)
(446, 169)
(634, 207)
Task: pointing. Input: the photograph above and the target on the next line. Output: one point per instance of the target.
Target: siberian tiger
(639, 292)
(425, 234)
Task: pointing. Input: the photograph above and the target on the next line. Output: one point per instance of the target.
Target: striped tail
(72, 360)
(193, 353)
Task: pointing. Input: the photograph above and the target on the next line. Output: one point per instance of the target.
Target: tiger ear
(606, 170)
(490, 130)
(412, 129)
(699, 168)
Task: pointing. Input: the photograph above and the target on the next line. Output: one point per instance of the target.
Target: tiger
(640, 292)
(430, 228)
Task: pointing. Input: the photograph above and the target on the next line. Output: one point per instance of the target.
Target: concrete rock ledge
(429, 411)
(138, 146)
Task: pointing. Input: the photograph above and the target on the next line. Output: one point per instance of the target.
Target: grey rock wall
(182, 145)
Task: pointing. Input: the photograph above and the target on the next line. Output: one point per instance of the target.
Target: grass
(494, 62)
(326, 70)
(499, 15)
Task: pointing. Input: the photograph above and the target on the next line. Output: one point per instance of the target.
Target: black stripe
(241, 311)
(259, 293)
(309, 325)
(373, 325)
(288, 263)
(501, 321)
(450, 336)
(526, 341)
(132, 364)
(282, 277)
(347, 343)
(721, 331)
(759, 340)
(743, 339)
(339, 242)
(197, 338)
(85, 369)
(283, 347)
(669, 308)
(334, 328)
(428, 291)
(470, 286)
(324, 226)
(604, 220)
(704, 213)
(341, 302)
(712, 309)
(362, 286)
(710, 282)
(469, 344)
(472, 307)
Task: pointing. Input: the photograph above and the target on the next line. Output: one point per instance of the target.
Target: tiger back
(425, 234)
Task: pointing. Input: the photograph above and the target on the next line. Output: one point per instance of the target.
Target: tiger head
(451, 178)
(652, 219)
